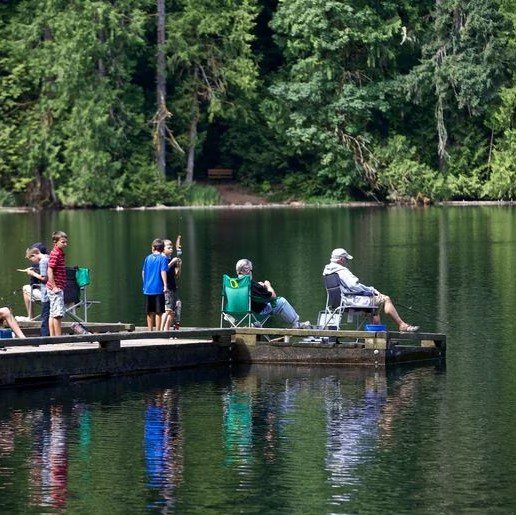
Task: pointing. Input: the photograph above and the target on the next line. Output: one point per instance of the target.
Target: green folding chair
(236, 303)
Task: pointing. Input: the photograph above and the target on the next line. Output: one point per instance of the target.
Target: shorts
(170, 300)
(380, 300)
(364, 301)
(155, 303)
(57, 307)
(36, 293)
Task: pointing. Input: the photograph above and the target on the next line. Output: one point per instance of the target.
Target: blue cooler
(376, 327)
(6, 333)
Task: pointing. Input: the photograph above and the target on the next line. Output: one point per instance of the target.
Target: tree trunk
(192, 136)
(440, 92)
(161, 91)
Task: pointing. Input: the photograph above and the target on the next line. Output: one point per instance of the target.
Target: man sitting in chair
(264, 300)
(363, 296)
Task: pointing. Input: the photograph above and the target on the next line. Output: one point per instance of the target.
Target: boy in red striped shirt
(57, 282)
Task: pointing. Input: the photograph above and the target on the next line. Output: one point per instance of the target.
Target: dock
(122, 351)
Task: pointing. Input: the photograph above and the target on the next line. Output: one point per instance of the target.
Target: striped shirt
(57, 263)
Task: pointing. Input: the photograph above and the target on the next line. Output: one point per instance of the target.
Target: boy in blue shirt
(154, 276)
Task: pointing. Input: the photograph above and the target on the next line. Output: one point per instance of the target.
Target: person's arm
(164, 279)
(39, 277)
(269, 288)
(163, 272)
(177, 262)
(353, 286)
(51, 285)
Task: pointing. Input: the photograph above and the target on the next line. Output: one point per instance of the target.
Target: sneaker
(302, 325)
(258, 325)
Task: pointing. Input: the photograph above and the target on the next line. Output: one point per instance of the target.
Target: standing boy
(154, 276)
(172, 303)
(38, 259)
(56, 282)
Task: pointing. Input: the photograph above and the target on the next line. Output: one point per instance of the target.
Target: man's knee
(4, 313)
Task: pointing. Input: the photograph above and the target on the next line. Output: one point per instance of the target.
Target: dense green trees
(321, 99)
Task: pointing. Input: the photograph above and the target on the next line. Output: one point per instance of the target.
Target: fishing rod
(434, 319)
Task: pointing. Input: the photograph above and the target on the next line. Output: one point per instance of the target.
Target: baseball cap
(340, 253)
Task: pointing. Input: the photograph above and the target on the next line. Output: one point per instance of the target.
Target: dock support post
(110, 345)
(376, 343)
(246, 339)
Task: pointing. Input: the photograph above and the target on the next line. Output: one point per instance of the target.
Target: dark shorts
(170, 300)
(155, 303)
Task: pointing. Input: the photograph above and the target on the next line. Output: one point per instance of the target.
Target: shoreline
(273, 205)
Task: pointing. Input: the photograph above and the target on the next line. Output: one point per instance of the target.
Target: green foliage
(201, 195)
(502, 182)
(7, 199)
(402, 175)
(305, 99)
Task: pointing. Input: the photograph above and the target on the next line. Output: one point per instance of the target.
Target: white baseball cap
(339, 254)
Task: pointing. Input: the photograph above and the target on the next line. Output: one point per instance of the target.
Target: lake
(278, 439)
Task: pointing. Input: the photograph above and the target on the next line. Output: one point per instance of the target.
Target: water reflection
(163, 442)
(284, 431)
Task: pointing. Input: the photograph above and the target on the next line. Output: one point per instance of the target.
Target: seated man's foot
(406, 328)
(302, 325)
(257, 325)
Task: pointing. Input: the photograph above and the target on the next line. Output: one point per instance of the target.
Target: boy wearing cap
(366, 296)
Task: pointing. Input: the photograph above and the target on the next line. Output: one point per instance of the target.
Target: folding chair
(236, 303)
(338, 305)
(75, 294)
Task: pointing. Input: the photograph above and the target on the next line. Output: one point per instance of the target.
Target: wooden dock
(43, 359)
(328, 347)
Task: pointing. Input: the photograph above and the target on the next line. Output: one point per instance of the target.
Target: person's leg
(160, 309)
(52, 303)
(57, 326)
(390, 309)
(151, 320)
(27, 300)
(5, 314)
(59, 311)
(177, 314)
(285, 311)
(166, 320)
(45, 311)
(168, 316)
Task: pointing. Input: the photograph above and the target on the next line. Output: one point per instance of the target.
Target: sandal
(410, 329)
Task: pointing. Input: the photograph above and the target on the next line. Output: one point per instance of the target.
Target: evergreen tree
(210, 56)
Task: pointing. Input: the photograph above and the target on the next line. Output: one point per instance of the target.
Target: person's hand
(267, 284)
(55, 289)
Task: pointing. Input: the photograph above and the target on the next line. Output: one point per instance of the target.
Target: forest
(128, 102)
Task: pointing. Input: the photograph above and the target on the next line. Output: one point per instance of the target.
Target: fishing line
(428, 317)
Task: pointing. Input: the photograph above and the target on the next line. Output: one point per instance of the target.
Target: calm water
(279, 439)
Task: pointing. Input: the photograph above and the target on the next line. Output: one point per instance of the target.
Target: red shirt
(56, 262)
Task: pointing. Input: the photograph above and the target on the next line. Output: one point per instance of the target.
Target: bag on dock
(6, 333)
(78, 328)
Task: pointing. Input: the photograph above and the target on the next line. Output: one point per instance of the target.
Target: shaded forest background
(128, 102)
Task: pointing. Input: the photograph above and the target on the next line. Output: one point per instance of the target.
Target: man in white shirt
(361, 295)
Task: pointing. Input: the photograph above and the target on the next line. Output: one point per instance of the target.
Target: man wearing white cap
(264, 300)
(361, 295)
